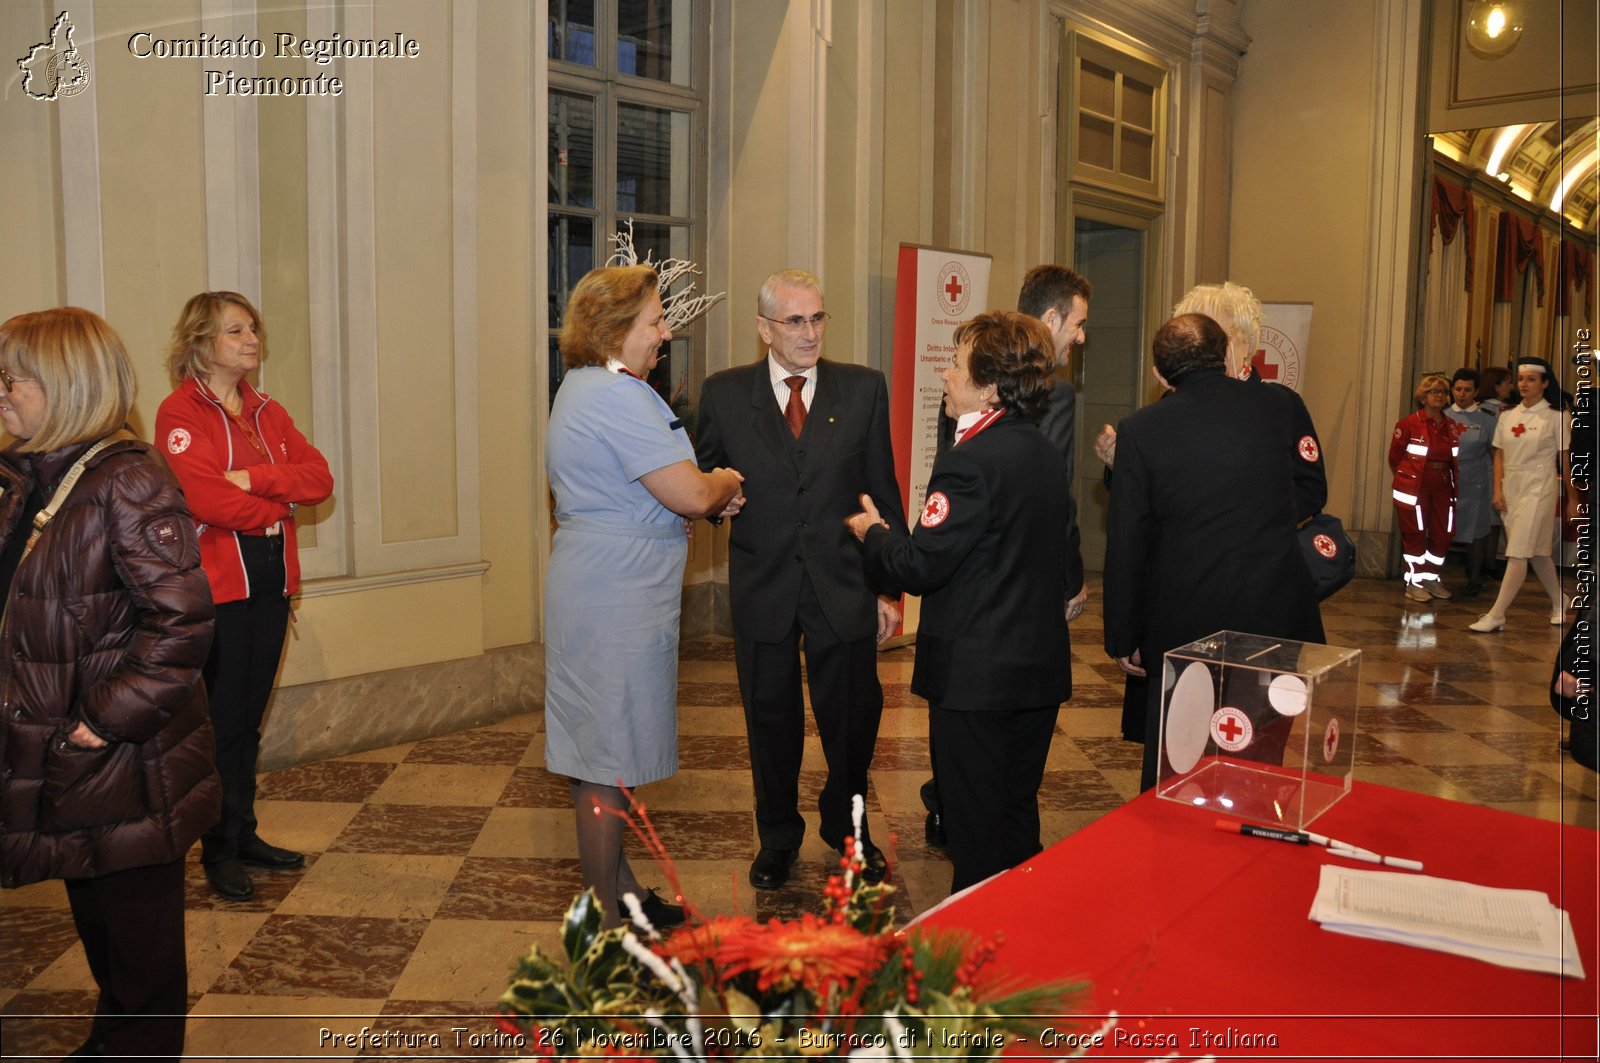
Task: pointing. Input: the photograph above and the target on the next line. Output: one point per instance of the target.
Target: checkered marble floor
(431, 865)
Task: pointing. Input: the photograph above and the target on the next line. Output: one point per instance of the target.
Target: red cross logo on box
(1231, 729)
(1330, 740)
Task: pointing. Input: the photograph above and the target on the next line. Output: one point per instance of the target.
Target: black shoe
(771, 868)
(874, 865)
(1472, 590)
(662, 916)
(92, 1047)
(258, 853)
(230, 881)
(933, 831)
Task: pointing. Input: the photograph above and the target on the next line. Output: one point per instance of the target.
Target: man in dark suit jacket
(1201, 535)
(1059, 297)
(794, 573)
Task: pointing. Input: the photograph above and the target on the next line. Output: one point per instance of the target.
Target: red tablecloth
(1191, 933)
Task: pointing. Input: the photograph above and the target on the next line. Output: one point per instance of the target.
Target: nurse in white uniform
(1531, 441)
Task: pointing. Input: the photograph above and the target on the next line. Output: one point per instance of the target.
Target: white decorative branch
(681, 307)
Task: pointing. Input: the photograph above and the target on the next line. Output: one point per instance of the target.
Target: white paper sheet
(1512, 928)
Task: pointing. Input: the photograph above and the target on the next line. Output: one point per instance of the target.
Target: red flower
(697, 943)
(810, 952)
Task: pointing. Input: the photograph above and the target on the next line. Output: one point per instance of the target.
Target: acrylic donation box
(1257, 727)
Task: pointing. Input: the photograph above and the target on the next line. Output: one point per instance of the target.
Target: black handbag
(1329, 553)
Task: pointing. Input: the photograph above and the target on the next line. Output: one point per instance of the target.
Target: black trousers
(847, 702)
(239, 675)
(988, 767)
(131, 926)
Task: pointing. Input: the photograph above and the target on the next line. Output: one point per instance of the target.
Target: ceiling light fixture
(1493, 28)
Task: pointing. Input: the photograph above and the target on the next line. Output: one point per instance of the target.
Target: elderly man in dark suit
(1203, 512)
(810, 435)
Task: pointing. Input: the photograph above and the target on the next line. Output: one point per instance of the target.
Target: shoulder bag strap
(68, 482)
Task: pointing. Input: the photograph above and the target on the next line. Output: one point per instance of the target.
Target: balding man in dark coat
(1202, 525)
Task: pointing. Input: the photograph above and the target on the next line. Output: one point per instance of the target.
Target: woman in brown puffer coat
(106, 767)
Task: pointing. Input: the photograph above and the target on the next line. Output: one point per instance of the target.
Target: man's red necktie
(794, 413)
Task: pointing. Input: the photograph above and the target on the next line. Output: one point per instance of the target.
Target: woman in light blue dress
(1475, 488)
(624, 478)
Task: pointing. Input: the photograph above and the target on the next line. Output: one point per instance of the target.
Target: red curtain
(1519, 248)
(1574, 272)
(1452, 211)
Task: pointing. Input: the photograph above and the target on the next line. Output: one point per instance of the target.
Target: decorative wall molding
(83, 250)
(1385, 350)
(232, 150)
(372, 549)
(324, 588)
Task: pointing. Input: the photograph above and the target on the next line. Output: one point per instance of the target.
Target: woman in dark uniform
(989, 557)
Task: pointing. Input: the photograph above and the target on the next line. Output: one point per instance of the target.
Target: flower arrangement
(837, 984)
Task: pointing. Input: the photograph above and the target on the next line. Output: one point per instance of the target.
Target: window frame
(612, 89)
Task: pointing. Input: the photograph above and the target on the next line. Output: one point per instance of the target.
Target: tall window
(626, 141)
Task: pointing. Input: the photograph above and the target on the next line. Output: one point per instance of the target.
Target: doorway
(1109, 368)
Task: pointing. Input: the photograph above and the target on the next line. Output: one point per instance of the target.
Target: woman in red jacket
(244, 468)
(107, 769)
(1422, 453)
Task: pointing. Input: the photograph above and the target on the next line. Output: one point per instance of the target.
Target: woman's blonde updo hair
(1236, 309)
(80, 364)
(194, 336)
(601, 311)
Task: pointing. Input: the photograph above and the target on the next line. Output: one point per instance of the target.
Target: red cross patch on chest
(1518, 428)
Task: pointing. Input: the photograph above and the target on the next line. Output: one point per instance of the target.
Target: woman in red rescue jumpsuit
(1422, 453)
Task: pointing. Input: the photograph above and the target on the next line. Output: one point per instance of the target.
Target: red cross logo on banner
(953, 288)
(935, 510)
(1518, 428)
(1264, 369)
(1230, 729)
(1308, 449)
(1330, 740)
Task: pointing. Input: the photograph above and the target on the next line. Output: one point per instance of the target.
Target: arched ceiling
(1554, 165)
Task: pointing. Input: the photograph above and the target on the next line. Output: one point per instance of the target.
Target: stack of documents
(1512, 928)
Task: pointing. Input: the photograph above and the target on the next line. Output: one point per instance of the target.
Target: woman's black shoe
(662, 916)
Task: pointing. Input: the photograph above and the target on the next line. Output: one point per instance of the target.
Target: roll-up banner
(1285, 333)
(936, 289)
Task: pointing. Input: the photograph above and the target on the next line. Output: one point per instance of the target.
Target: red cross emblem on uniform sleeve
(1518, 428)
